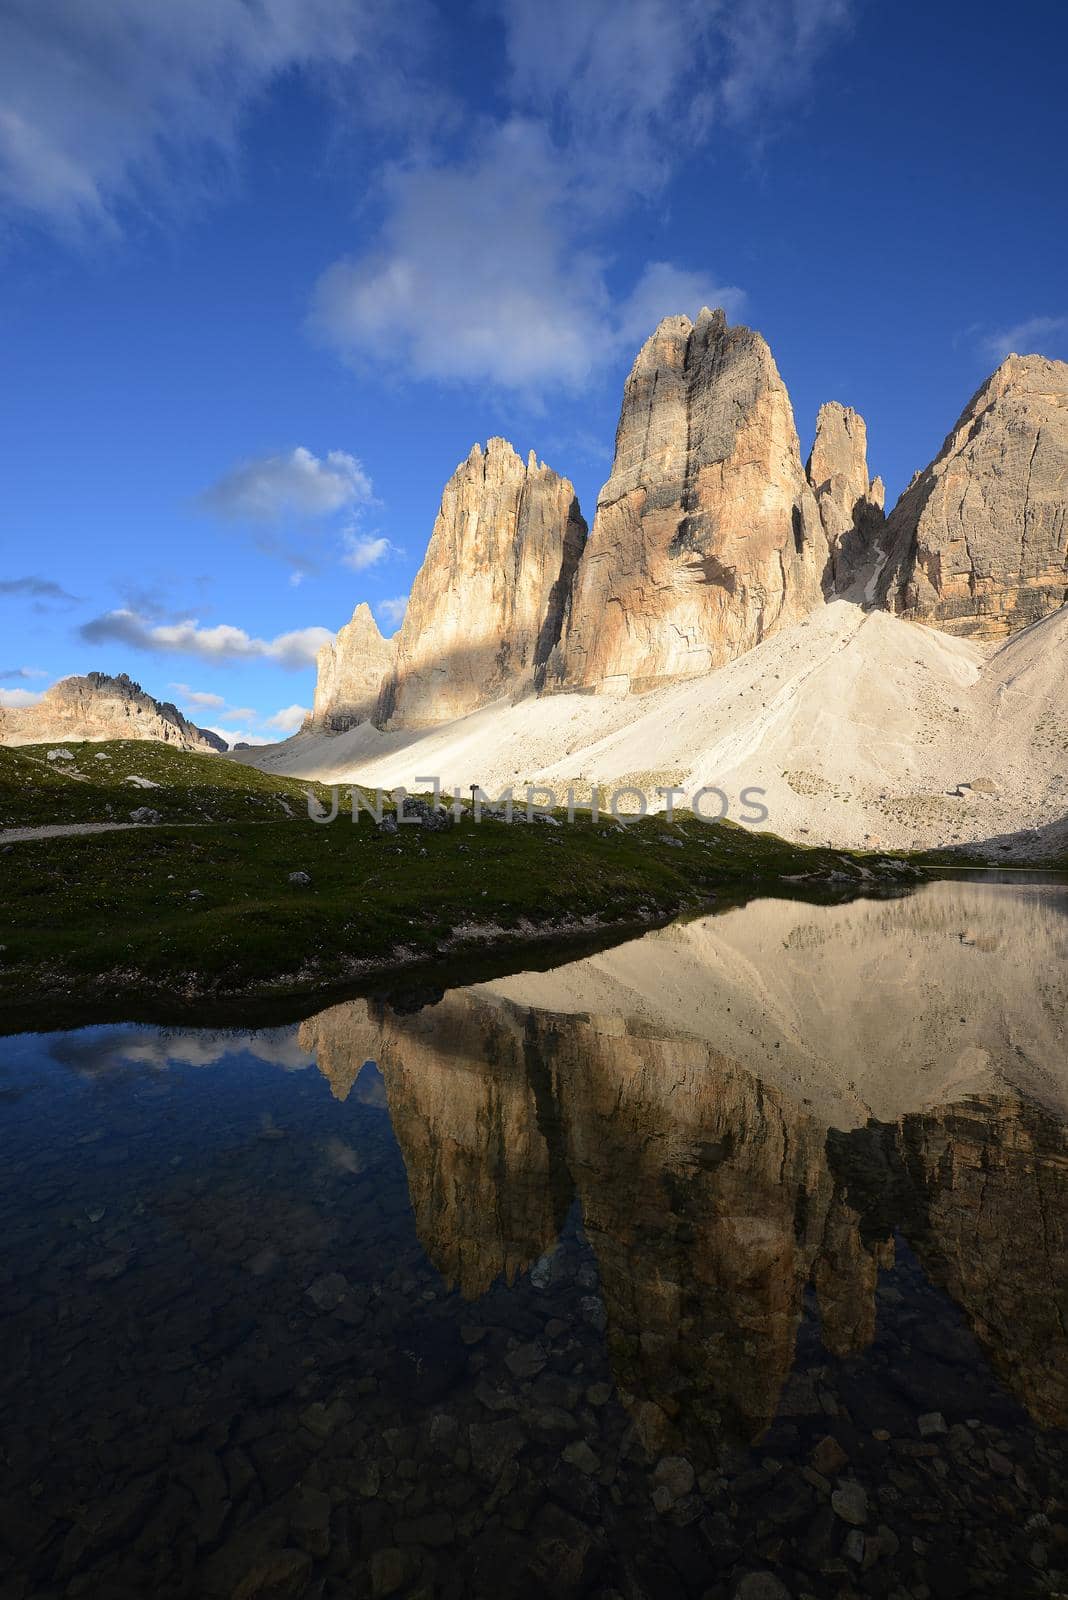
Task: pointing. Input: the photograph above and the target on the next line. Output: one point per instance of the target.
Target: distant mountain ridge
(99, 706)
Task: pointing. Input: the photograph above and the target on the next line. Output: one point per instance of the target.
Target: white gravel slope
(858, 726)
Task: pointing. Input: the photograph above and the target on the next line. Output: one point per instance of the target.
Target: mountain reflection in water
(737, 1223)
(681, 1088)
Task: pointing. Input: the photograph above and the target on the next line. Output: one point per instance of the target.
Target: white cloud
(235, 736)
(219, 643)
(1035, 336)
(298, 484)
(363, 550)
(484, 269)
(663, 291)
(198, 697)
(129, 103)
(288, 720)
(475, 276)
(13, 698)
(392, 611)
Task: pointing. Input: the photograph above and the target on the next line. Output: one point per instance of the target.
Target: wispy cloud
(22, 672)
(288, 720)
(42, 589)
(203, 699)
(1035, 336)
(487, 266)
(663, 290)
(108, 107)
(392, 611)
(296, 484)
(219, 643)
(475, 275)
(14, 698)
(240, 723)
(363, 550)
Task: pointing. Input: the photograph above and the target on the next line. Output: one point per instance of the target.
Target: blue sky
(270, 269)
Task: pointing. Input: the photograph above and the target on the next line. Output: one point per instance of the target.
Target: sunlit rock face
(349, 674)
(707, 536)
(850, 503)
(980, 537)
(98, 706)
(487, 604)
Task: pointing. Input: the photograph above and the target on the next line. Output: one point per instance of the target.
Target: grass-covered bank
(42, 784)
(209, 912)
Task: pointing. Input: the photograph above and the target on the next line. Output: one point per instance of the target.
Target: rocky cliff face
(487, 604)
(101, 707)
(980, 539)
(707, 536)
(850, 504)
(349, 674)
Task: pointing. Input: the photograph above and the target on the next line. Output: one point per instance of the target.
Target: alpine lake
(729, 1261)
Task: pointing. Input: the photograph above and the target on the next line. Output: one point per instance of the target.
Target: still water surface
(731, 1261)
